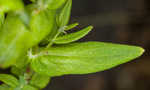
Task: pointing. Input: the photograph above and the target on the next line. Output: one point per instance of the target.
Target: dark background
(117, 21)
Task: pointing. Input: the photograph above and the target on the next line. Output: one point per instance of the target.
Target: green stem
(57, 34)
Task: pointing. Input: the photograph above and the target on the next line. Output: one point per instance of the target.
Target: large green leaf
(9, 80)
(73, 36)
(39, 81)
(15, 39)
(83, 58)
(64, 15)
(8, 5)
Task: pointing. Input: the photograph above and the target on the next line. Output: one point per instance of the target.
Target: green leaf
(20, 38)
(64, 15)
(15, 39)
(73, 36)
(1, 19)
(22, 62)
(29, 87)
(39, 81)
(83, 58)
(5, 87)
(71, 26)
(9, 80)
(42, 24)
(54, 4)
(9, 5)
(17, 71)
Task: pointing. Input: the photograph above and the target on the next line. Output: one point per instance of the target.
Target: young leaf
(9, 80)
(64, 16)
(54, 4)
(9, 5)
(73, 36)
(39, 81)
(71, 26)
(83, 58)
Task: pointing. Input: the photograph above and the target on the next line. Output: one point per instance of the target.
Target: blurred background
(117, 21)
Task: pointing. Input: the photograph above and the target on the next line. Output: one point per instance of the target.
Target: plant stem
(57, 34)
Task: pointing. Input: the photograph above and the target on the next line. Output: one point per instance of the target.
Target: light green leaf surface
(64, 15)
(39, 81)
(54, 4)
(42, 24)
(1, 19)
(15, 39)
(9, 80)
(9, 5)
(73, 36)
(28, 87)
(83, 58)
(5, 87)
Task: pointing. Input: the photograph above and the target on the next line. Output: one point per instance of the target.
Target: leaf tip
(142, 50)
(90, 27)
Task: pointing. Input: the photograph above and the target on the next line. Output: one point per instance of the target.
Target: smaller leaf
(9, 80)
(73, 36)
(71, 26)
(39, 81)
(64, 16)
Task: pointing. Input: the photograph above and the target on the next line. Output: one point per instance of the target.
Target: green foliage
(5, 87)
(28, 87)
(11, 5)
(64, 15)
(54, 4)
(35, 44)
(11, 43)
(9, 80)
(73, 36)
(39, 81)
(83, 58)
(71, 26)
(1, 19)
